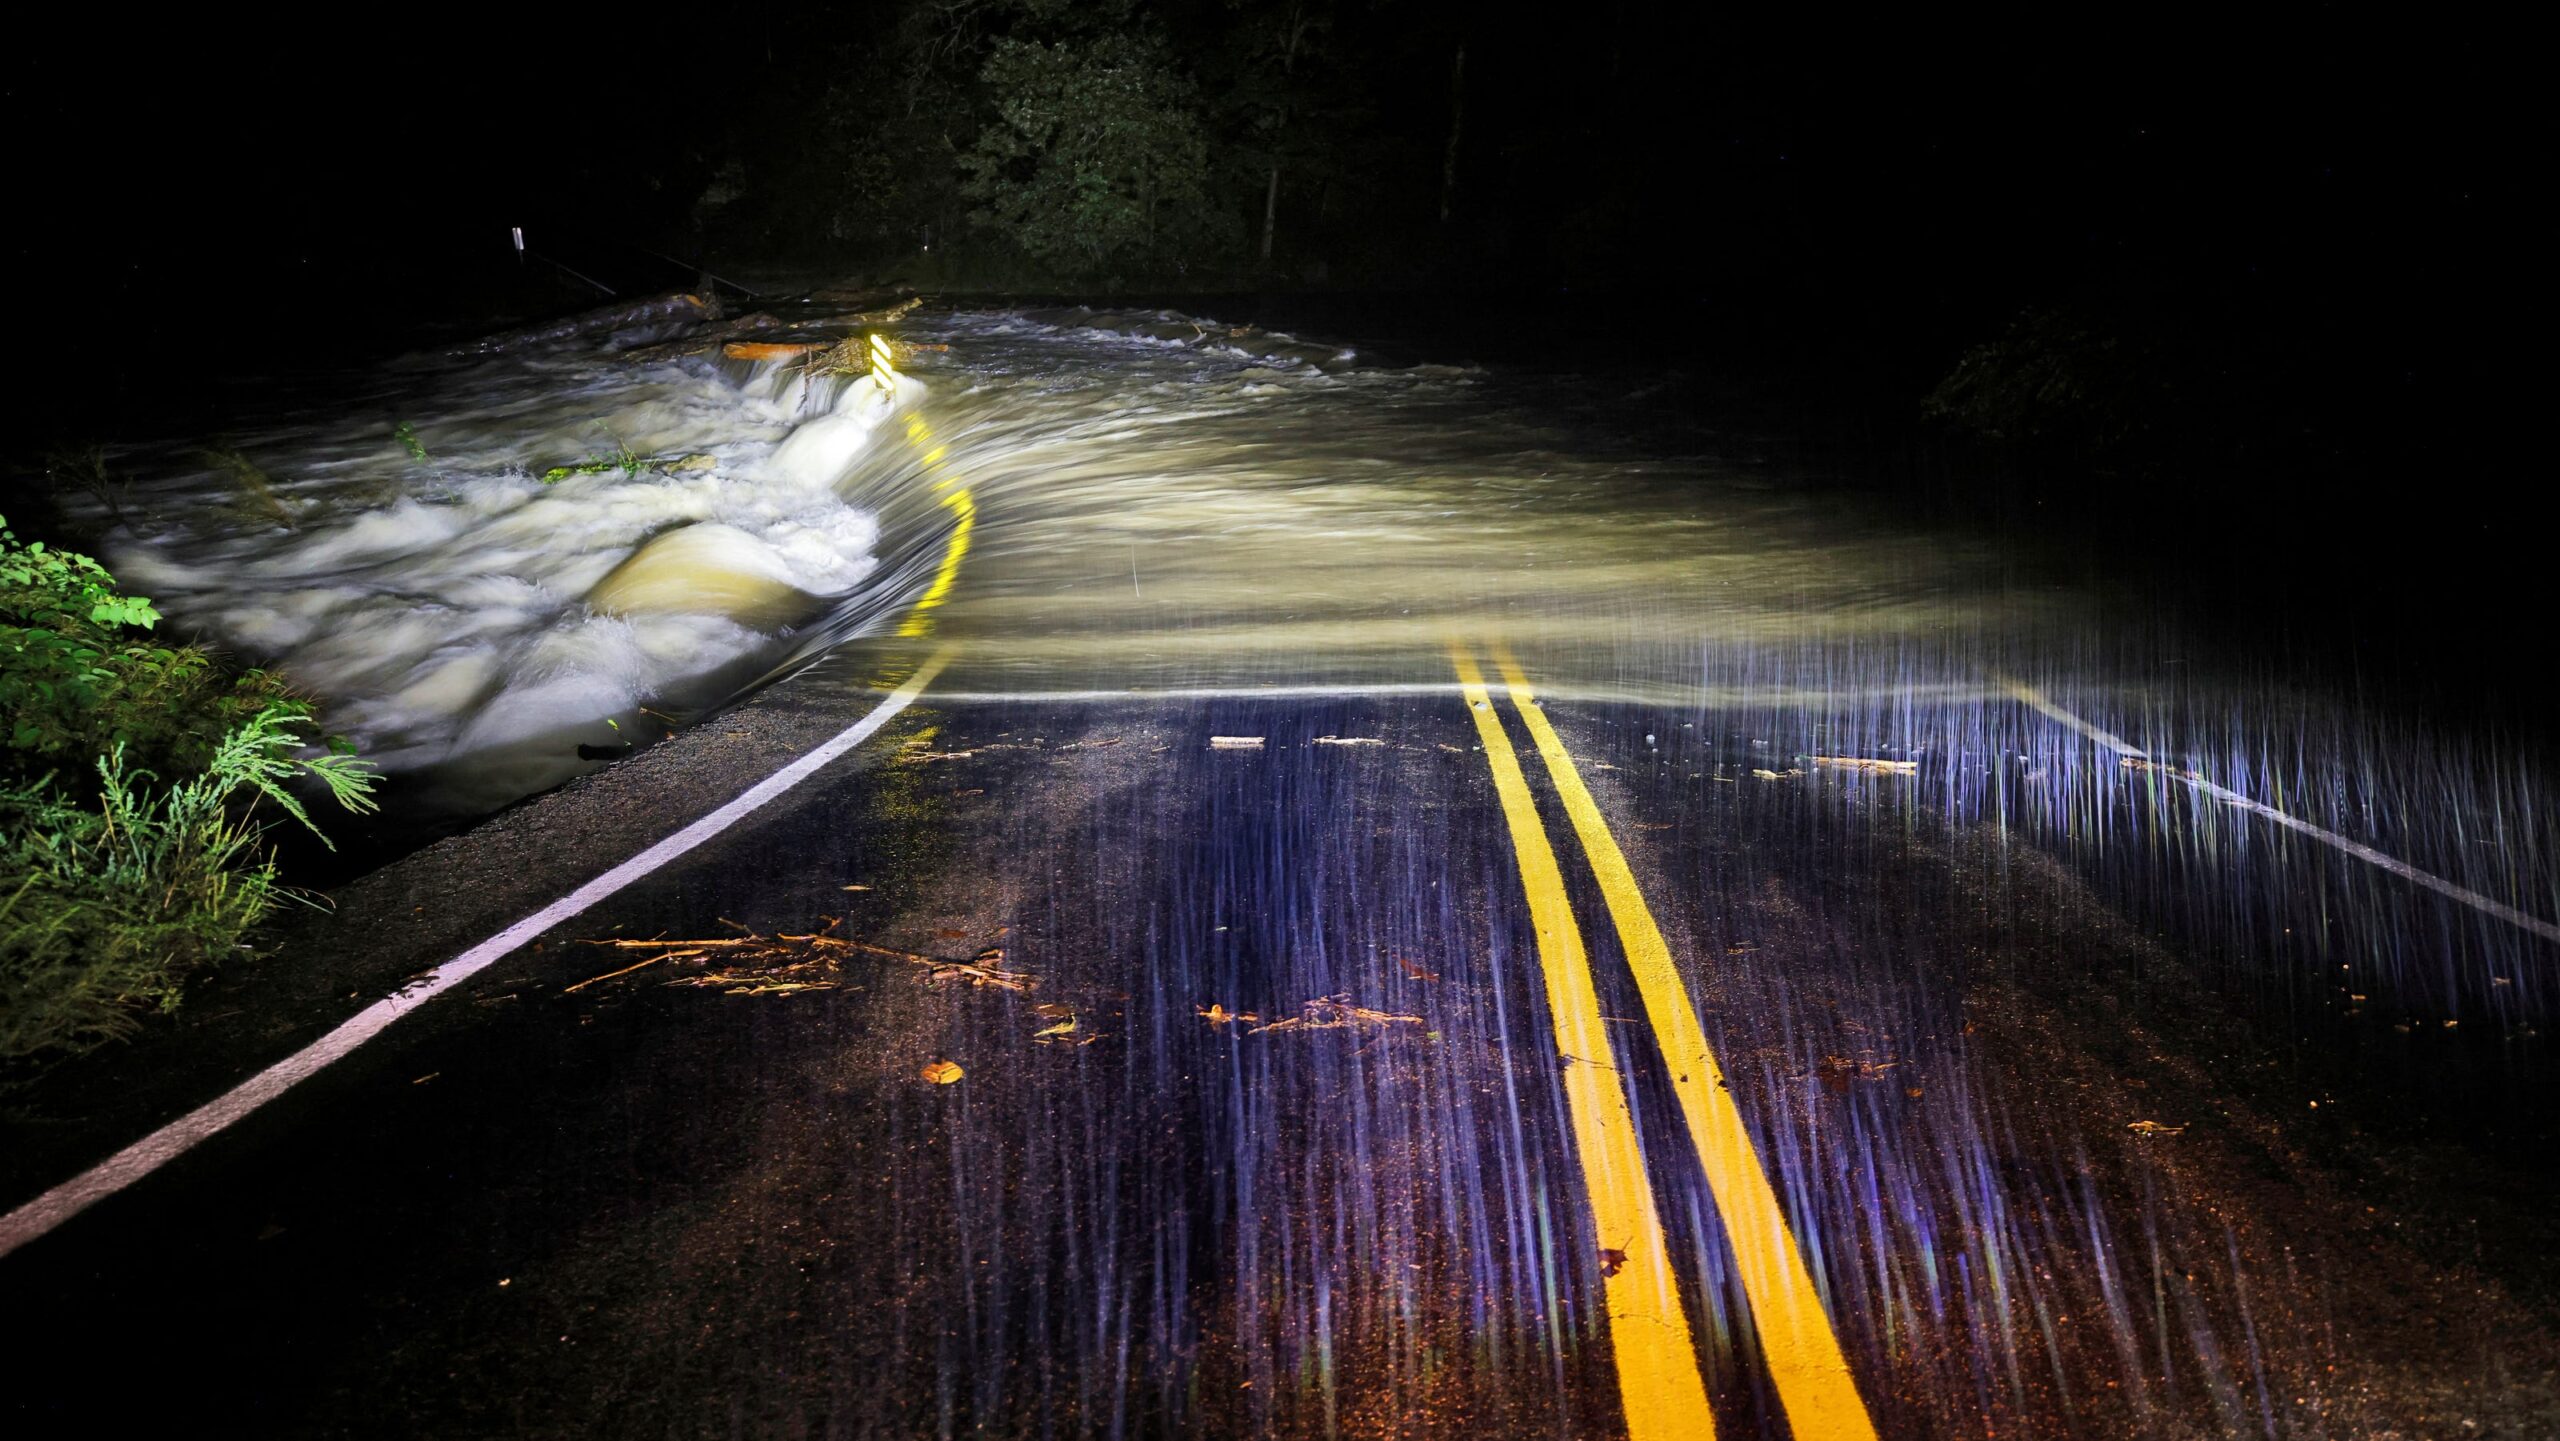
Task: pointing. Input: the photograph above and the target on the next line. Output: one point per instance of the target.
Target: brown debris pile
(781, 965)
(710, 337)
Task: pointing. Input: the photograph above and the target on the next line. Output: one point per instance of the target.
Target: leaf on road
(2154, 1128)
(943, 1073)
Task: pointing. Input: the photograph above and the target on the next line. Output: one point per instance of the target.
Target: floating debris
(893, 314)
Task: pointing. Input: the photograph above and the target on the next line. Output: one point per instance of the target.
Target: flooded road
(1156, 503)
(1448, 918)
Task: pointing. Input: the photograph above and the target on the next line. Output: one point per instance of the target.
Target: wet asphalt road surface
(1264, 1125)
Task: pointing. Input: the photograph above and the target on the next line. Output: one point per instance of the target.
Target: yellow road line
(919, 622)
(1658, 1377)
(1814, 1384)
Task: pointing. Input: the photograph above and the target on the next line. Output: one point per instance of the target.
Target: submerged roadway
(915, 1050)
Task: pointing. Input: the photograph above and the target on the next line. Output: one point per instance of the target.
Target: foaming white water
(465, 620)
(1156, 501)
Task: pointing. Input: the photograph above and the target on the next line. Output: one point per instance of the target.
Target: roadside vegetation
(138, 781)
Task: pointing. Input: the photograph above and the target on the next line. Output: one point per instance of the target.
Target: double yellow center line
(1657, 1363)
(954, 492)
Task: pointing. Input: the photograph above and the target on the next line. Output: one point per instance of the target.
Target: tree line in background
(1096, 142)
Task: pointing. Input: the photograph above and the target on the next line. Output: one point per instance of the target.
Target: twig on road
(609, 975)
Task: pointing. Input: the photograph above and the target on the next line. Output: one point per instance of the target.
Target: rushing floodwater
(1156, 503)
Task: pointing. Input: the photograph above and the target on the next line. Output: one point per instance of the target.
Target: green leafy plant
(59, 584)
(407, 435)
(81, 674)
(621, 458)
(131, 777)
(109, 904)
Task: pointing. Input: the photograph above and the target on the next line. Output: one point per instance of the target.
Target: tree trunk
(1457, 126)
(1293, 33)
(1270, 212)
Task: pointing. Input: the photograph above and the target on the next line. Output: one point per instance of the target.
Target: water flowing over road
(1456, 900)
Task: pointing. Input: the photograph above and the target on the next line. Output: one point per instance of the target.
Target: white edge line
(45, 1212)
(2136, 758)
(2363, 852)
(2036, 699)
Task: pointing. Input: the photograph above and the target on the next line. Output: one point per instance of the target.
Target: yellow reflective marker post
(1658, 1379)
(1805, 1360)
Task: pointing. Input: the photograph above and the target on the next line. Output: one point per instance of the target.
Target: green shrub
(110, 905)
(79, 675)
(146, 862)
(1098, 156)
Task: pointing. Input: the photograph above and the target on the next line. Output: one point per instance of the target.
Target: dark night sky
(1904, 186)
(2317, 141)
